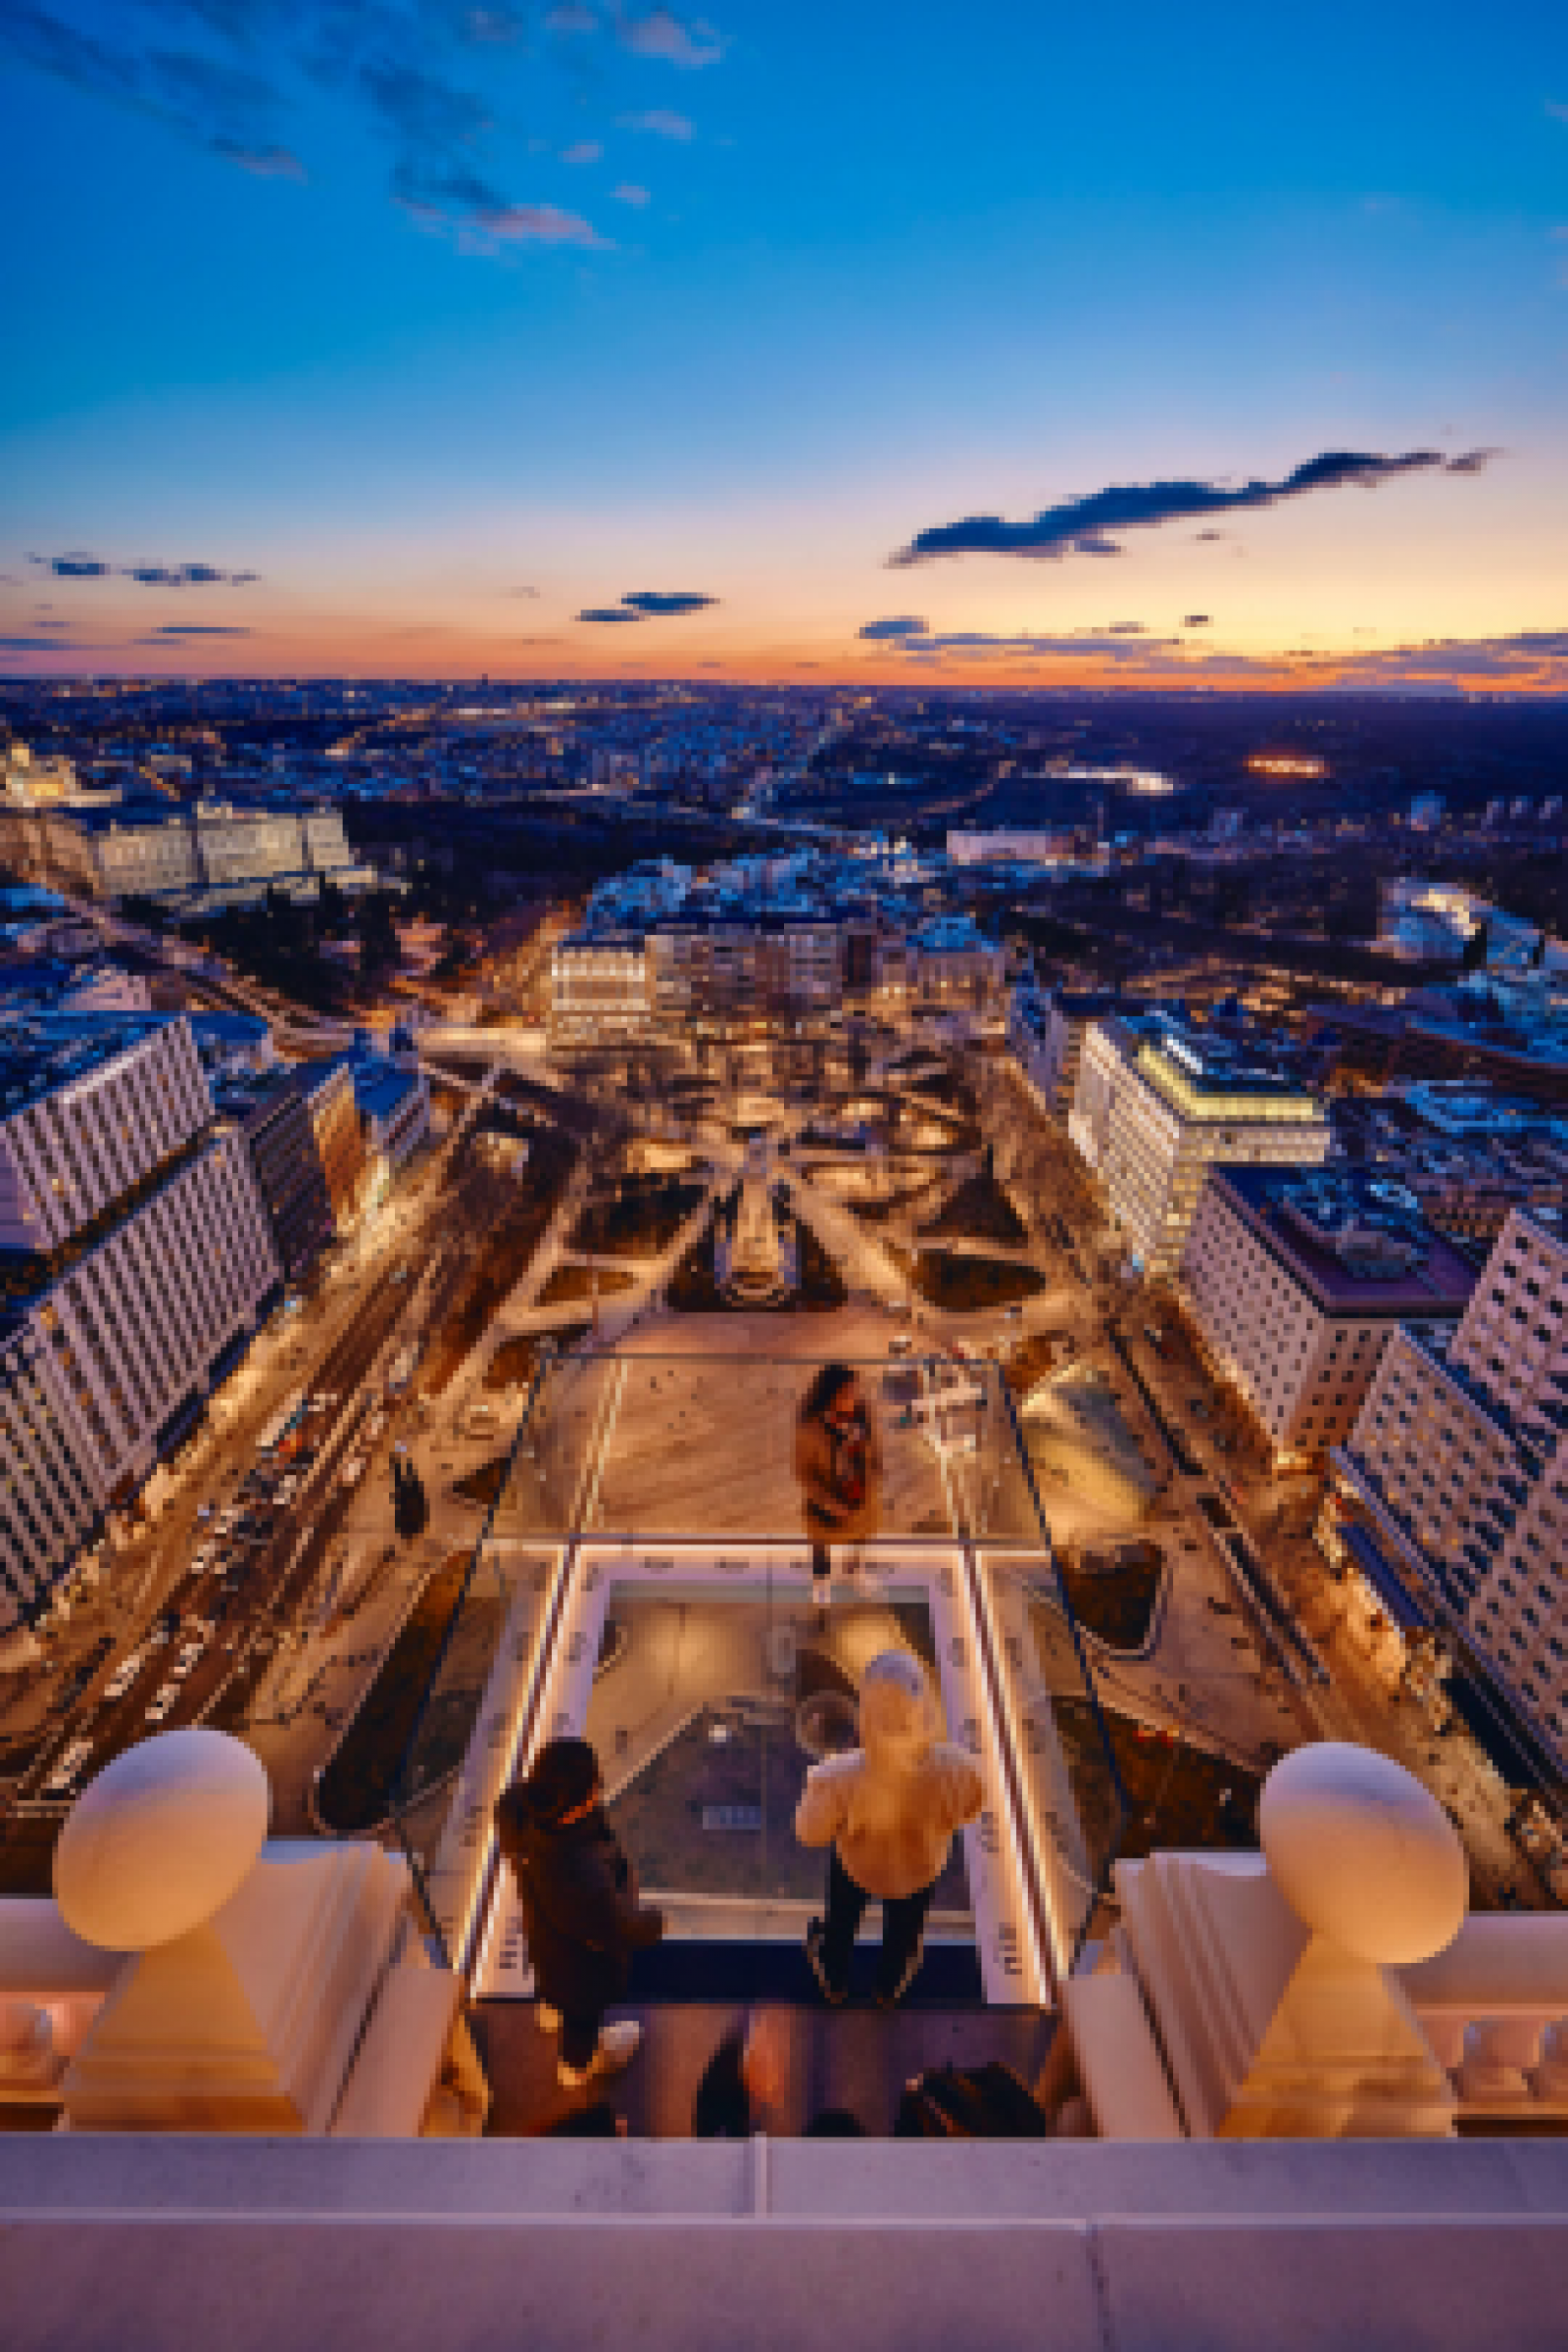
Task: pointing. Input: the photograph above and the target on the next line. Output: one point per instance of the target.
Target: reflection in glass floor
(708, 1710)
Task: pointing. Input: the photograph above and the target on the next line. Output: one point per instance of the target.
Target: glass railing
(644, 1577)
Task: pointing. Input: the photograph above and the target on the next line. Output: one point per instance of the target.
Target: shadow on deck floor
(854, 2057)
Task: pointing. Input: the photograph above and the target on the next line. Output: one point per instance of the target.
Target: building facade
(135, 1262)
(339, 1138)
(274, 1115)
(1296, 1280)
(1460, 1463)
(207, 854)
(1045, 1029)
(1156, 1105)
(50, 1500)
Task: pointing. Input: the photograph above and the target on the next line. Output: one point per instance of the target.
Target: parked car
(162, 1702)
(66, 1771)
(124, 1675)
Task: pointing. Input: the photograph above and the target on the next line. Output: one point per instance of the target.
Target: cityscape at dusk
(589, 341)
(783, 1178)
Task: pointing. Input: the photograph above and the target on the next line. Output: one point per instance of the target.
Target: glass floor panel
(709, 1680)
(708, 1710)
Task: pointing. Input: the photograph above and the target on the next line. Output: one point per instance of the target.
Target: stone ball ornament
(161, 1840)
(1363, 1853)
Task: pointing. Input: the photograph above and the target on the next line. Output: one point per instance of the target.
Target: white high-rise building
(137, 1257)
(1156, 1105)
(1297, 1279)
(1460, 1463)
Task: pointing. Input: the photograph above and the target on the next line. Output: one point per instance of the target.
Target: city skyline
(591, 343)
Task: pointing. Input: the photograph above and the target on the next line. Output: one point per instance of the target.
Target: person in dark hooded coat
(580, 1906)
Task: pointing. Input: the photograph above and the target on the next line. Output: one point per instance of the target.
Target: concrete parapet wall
(110, 2241)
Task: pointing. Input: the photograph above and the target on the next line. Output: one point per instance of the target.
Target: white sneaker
(547, 2020)
(618, 2047)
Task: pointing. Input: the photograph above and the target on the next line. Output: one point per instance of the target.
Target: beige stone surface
(161, 1840)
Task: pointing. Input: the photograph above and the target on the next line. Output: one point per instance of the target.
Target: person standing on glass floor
(889, 1810)
(838, 1466)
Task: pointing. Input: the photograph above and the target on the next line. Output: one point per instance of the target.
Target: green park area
(511, 1207)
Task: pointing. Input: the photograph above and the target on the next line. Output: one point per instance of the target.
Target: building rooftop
(1359, 1243)
(380, 1086)
(41, 1052)
(1212, 1077)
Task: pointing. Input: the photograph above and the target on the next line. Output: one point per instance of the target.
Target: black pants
(903, 1928)
(579, 2035)
(821, 1569)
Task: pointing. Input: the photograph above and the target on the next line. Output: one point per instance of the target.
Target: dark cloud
(388, 57)
(73, 568)
(459, 199)
(196, 629)
(229, 109)
(187, 575)
(1125, 641)
(44, 41)
(651, 604)
(421, 108)
(45, 645)
(1195, 620)
(1079, 525)
(149, 575)
(660, 603)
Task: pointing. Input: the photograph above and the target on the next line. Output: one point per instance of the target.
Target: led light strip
(527, 1722)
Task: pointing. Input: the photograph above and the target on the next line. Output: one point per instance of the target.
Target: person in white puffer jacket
(888, 1809)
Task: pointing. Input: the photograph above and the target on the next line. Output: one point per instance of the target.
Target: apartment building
(1458, 1463)
(50, 1500)
(393, 1102)
(135, 1262)
(328, 1089)
(1045, 1030)
(50, 984)
(273, 1114)
(598, 988)
(1296, 1279)
(1156, 1104)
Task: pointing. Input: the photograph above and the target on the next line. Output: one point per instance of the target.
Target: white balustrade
(1494, 2008)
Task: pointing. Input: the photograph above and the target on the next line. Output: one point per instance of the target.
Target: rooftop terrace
(642, 1575)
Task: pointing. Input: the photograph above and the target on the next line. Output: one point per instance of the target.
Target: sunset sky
(1043, 345)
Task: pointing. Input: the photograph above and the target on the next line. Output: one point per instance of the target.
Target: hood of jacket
(532, 1836)
(899, 1722)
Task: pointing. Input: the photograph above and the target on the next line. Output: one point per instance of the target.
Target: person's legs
(903, 1943)
(822, 1580)
(845, 1907)
(579, 2037)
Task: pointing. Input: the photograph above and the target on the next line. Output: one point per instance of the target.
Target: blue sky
(407, 308)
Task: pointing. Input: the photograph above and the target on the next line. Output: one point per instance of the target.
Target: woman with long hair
(838, 1467)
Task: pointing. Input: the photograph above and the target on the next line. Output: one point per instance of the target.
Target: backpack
(979, 2102)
